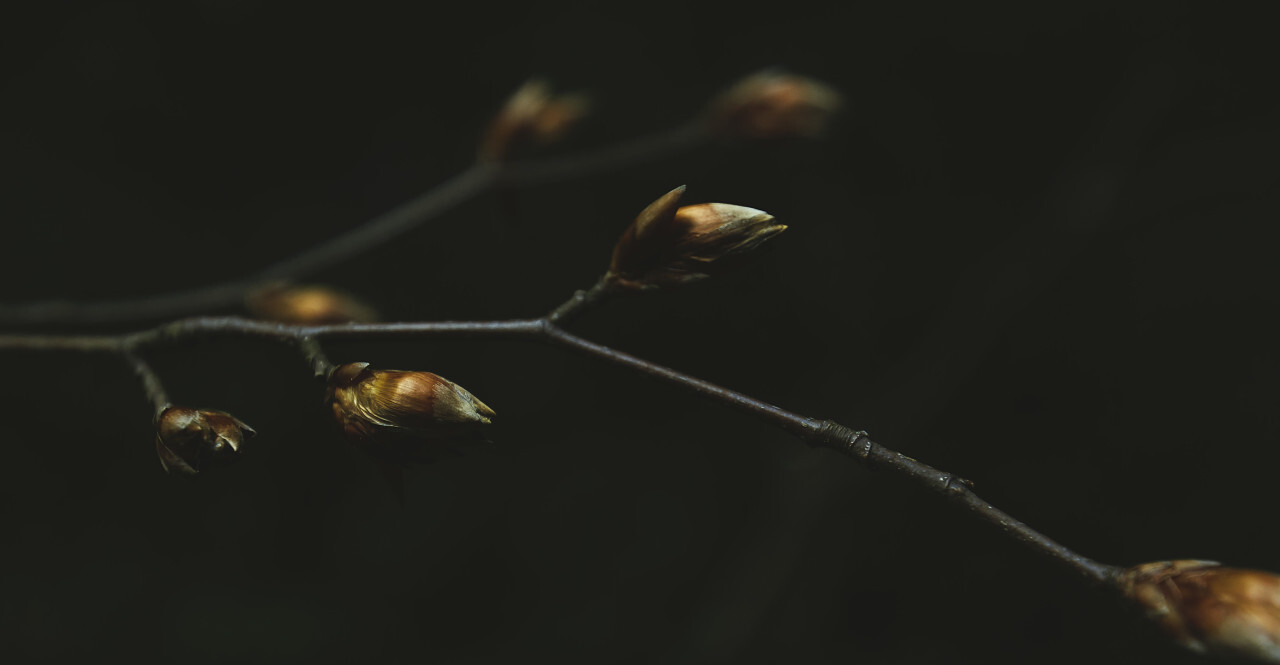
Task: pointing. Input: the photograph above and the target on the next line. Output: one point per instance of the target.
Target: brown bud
(668, 245)
(1210, 609)
(188, 440)
(534, 115)
(390, 413)
(773, 104)
(307, 305)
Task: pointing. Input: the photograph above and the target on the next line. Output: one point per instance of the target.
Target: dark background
(1035, 250)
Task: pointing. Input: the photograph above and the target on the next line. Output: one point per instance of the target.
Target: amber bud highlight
(531, 115)
(189, 440)
(773, 104)
(668, 245)
(307, 305)
(390, 413)
(1210, 609)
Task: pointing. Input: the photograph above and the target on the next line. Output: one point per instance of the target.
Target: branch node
(854, 443)
(954, 484)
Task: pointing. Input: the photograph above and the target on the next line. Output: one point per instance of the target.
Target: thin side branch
(581, 302)
(315, 356)
(628, 153)
(151, 385)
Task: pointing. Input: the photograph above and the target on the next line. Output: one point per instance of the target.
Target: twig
(581, 302)
(320, 365)
(151, 385)
(824, 433)
(441, 198)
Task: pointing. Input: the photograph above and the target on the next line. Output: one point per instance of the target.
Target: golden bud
(188, 440)
(390, 413)
(773, 104)
(532, 114)
(1210, 609)
(307, 305)
(668, 245)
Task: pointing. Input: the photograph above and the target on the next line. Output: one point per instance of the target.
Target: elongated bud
(668, 245)
(307, 305)
(532, 115)
(388, 412)
(189, 440)
(773, 104)
(1210, 609)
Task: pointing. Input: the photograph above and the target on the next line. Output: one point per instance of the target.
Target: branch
(451, 193)
(151, 385)
(582, 302)
(816, 432)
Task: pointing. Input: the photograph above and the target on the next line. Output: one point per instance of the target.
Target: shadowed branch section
(449, 194)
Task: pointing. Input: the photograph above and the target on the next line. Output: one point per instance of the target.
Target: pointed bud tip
(486, 414)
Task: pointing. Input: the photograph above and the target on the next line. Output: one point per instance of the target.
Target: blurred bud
(1210, 609)
(773, 104)
(307, 305)
(389, 413)
(188, 440)
(668, 245)
(531, 115)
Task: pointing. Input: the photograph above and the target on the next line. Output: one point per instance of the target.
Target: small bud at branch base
(189, 440)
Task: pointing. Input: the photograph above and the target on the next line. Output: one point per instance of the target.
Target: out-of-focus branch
(449, 194)
(765, 105)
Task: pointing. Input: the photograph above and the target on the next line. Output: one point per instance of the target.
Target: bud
(188, 440)
(532, 114)
(773, 104)
(1210, 609)
(307, 305)
(390, 413)
(667, 245)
